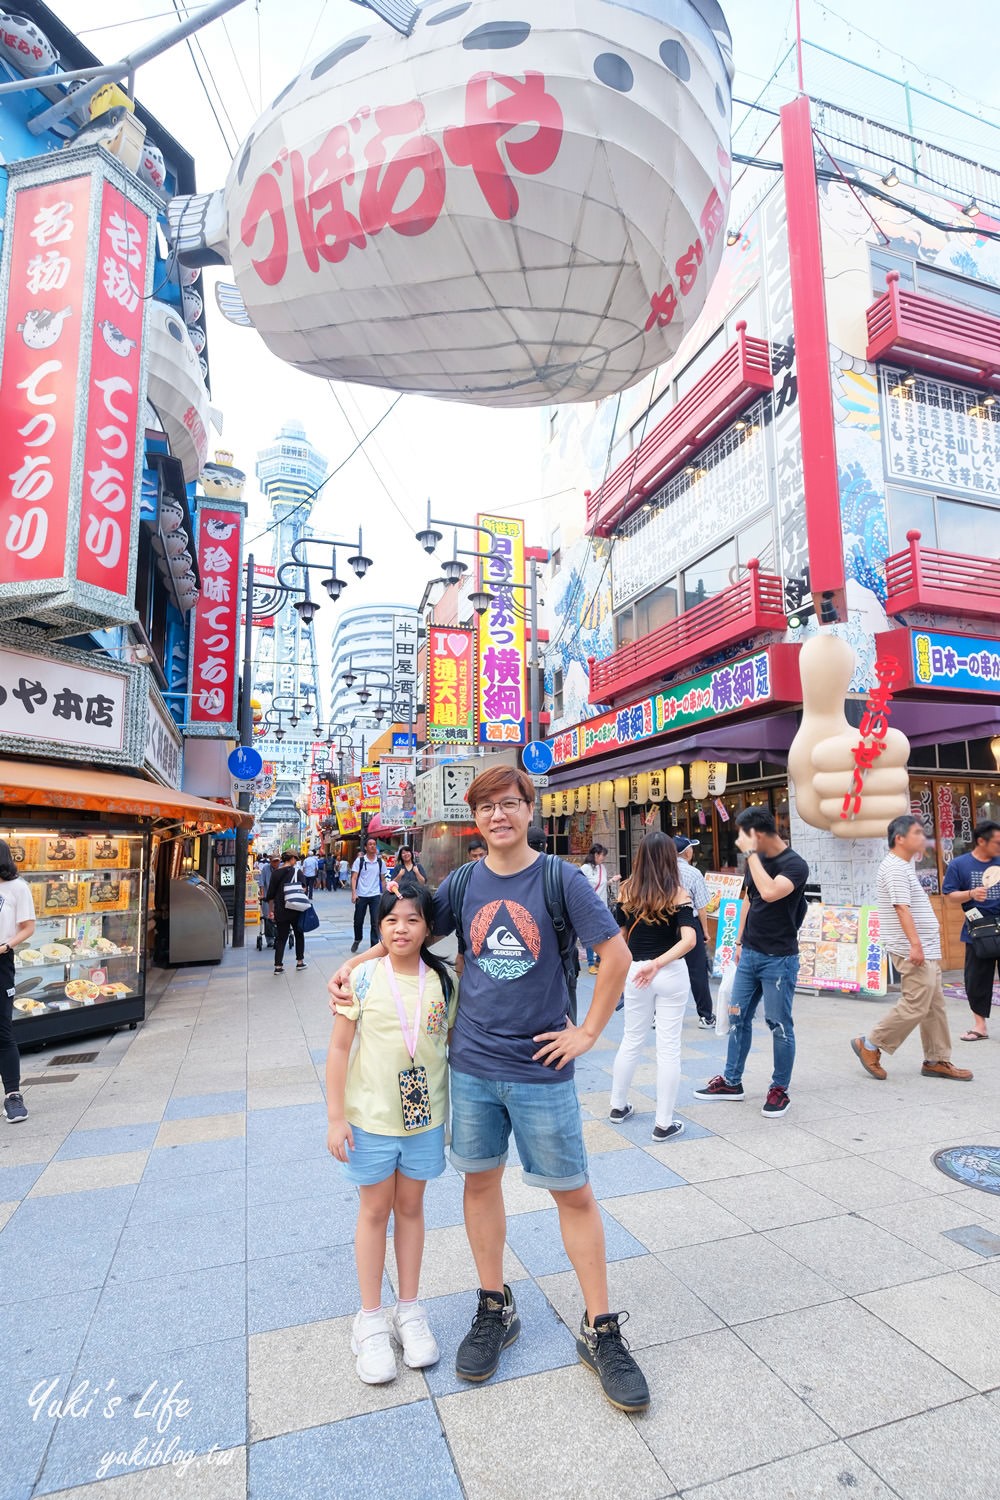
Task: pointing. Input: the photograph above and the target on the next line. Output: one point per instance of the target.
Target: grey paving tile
(915, 1164)
(204, 1193)
(106, 1142)
(857, 1182)
(15, 1182)
(170, 1246)
(197, 1129)
(388, 1452)
(215, 1476)
(953, 1317)
(306, 1377)
(306, 1224)
(818, 1474)
(286, 1181)
(767, 1200)
(544, 1342)
(837, 1358)
(706, 1160)
(207, 1391)
(597, 1446)
(632, 1171)
(788, 1147)
(677, 1216)
(660, 1308)
(746, 1278)
(926, 1223)
(702, 1390)
(448, 1265)
(963, 1440)
(853, 1254)
(170, 1313)
(90, 1222)
(87, 1173)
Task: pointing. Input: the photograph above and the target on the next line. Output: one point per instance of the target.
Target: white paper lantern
(25, 47)
(623, 791)
(718, 772)
(152, 168)
(674, 783)
(176, 389)
(657, 786)
(512, 208)
(606, 795)
(581, 799)
(547, 804)
(191, 304)
(698, 773)
(642, 788)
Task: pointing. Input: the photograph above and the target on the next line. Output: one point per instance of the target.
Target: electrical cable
(333, 472)
(231, 151)
(368, 458)
(239, 67)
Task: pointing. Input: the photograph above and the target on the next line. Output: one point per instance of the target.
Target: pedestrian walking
(387, 1107)
(344, 874)
(657, 920)
(511, 1057)
(699, 964)
(969, 884)
(911, 936)
(288, 912)
(310, 866)
(767, 958)
(267, 869)
(367, 885)
(332, 873)
(408, 870)
(17, 923)
(597, 878)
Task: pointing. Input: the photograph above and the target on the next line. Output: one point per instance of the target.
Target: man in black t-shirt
(767, 958)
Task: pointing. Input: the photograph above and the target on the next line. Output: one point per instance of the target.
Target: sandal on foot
(974, 1036)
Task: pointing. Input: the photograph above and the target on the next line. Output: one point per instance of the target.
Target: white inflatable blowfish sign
(519, 203)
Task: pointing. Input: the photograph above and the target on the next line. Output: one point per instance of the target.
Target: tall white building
(363, 645)
(286, 680)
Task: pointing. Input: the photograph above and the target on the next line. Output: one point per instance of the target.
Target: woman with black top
(408, 870)
(285, 920)
(657, 920)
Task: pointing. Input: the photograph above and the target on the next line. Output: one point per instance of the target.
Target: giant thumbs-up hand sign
(822, 760)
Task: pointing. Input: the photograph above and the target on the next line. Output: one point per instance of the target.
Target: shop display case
(83, 968)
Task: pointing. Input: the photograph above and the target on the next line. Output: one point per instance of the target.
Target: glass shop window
(710, 576)
(657, 608)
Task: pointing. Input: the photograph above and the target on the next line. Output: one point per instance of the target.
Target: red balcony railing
(951, 582)
(725, 390)
(929, 334)
(753, 604)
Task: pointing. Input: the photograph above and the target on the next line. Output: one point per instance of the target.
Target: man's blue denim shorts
(545, 1119)
(376, 1157)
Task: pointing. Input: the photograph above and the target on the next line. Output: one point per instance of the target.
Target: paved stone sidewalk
(816, 1306)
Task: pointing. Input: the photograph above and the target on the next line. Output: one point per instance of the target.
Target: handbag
(310, 920)
(983, 932)
(723, 1021)
(295, 898)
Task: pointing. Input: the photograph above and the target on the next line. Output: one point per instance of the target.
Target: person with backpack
(512, 1053)
(289, 901)
(367, 885)
(767, 958)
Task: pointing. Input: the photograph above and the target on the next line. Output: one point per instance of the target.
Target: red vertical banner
(108, 516)
(215, 633)
(42, 332)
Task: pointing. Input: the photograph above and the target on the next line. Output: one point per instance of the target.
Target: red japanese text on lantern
(687, 268)
(38, 391)
(384, 170)
(106, 515)
(873, 729)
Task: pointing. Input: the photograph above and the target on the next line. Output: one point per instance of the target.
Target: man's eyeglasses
(509, 805)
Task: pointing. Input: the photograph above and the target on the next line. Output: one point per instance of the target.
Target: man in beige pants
(910, 933)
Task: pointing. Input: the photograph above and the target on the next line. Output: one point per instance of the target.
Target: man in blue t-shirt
(511, 1055)
(969, 883)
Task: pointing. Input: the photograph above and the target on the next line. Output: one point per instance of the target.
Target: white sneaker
(410, 1329)
(370, 1342)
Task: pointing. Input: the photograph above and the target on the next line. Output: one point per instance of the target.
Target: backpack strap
(458, 884)
(555, 905)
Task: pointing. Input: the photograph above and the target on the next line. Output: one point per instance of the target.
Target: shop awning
(376, 826)
(40, 784)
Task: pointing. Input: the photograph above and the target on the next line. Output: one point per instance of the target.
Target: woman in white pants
(657, 920)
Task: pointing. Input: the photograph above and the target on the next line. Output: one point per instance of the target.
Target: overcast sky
(464, 458)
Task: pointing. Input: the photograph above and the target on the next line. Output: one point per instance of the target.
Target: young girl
(387, 1104)
(657, 921)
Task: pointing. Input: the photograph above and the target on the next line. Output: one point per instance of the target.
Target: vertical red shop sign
(216, 617)
(43, 326)
(108, 516)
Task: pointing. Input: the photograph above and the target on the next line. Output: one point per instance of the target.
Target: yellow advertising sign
(347, 806)
(501, 677)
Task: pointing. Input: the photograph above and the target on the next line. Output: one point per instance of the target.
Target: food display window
(83, 968)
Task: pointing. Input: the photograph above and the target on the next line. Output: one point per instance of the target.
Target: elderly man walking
(910, 934)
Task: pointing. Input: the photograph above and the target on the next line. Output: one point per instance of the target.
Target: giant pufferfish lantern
(518, 204)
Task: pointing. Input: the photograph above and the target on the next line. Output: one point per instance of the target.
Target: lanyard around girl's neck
(410, 1033)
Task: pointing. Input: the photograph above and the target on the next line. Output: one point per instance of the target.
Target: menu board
(725, 933)
(839, 949)
(722, 886)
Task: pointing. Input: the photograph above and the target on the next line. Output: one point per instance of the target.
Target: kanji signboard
(501, 665)
(212, 703)
(451, 706)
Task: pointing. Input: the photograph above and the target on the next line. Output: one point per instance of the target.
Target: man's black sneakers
(718, 1088)
(495, 1326)
(606, 1352)
(13, 1108)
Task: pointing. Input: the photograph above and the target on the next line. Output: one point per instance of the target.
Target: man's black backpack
(555, 905)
